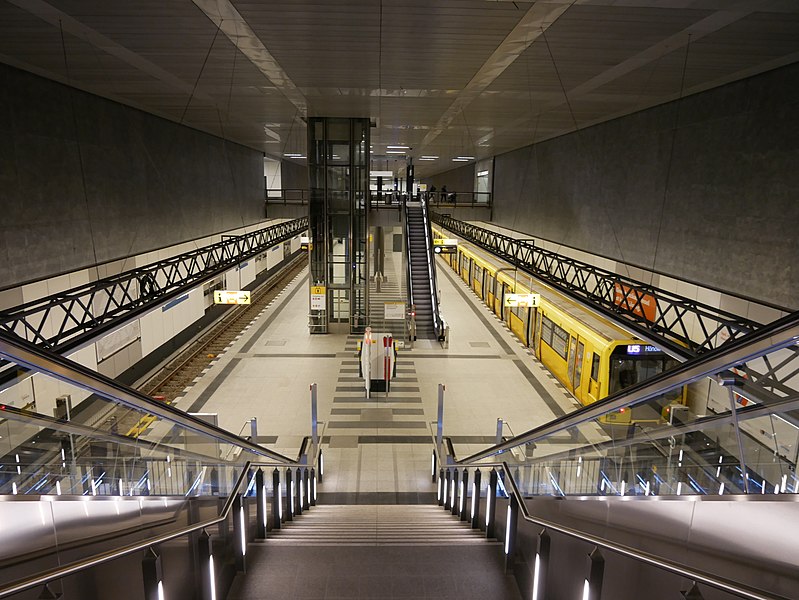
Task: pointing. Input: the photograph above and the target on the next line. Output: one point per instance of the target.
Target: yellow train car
(590, 355)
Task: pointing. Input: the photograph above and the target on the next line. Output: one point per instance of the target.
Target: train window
(595, 367)
(628, 369)
(555, 337)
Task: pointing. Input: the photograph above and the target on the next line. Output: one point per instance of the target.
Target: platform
(377, 449)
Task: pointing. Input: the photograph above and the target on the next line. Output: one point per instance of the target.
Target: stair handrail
(697, 575)
(431, 265)
(781, 333)
(103, 557)
(26, 354)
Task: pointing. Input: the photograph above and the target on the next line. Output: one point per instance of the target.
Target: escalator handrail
(103, 557)
(408, 274)
(25, 353)
(645, 557)
(428, 237)
(780, 334)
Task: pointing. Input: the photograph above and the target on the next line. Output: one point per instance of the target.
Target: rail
(286, 196)
(655, 314)
(720, 583)
(460, 199)
(68, 320)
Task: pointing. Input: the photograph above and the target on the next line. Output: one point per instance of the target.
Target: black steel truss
(69, 319)
(684, 326)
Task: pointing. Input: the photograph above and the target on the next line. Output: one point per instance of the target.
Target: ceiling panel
(461, 76)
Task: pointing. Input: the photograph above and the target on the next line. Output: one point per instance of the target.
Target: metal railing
(661, 316)
(70, 319)
(431, 265)
(675, 568)
(459, 199)
(287, 196)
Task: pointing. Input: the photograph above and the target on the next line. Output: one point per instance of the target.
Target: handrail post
(596, 571)
(541, 566)
(277, 499)
(321, 465)
(447, 493)
(476, 500)
(260, 509)
(312, 488)
(290, 493)
(300, 492)
(205, 550)
(433, 465)
(454, 492)
(239, 532)
(440, 422)
(441, 487)
(462, 507)
(307, 481)
(510, 532)
(314, 423)
(491, 504)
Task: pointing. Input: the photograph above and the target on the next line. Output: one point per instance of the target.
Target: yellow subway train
(591, 356)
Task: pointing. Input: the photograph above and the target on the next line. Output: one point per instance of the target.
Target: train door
(593, 383)
(577, 373)
(537, 334)
(571, 361)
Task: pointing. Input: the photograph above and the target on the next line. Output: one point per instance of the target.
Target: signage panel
(318, 297)
(231, 297)
(522, 300)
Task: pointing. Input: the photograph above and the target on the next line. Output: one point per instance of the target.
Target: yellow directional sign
(522, 300)
(318, 290)
(318, 297)
(445, 246)
(231, 297)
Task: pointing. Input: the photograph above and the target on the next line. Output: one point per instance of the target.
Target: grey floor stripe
(263, 326)
(217, 381)
(479, 312)
(481, 356)
(345, 411)
(376, 425)
(542, 391)
(394, 439)
(379, 400)
(292, 355)
(407, 411)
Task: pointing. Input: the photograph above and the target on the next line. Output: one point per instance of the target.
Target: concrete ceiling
(444, 77)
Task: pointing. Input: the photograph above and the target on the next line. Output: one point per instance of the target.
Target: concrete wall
(701, 189)
(457, 180)
(84, 180)
(293, 175)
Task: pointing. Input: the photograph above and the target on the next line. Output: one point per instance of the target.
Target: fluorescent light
(463, 489)
(507, 532)
(446, 488)
(428, 157)
(292, 154)
(397, 147)
(433, 465)
(213, 576)
(263, 503)
(482, 173)
(280, 501)
(243, 533)
(460, 160)
(586, 590)
(321, 464)
(721, 489)
(474, 498)
(160, 590)
(536, 575)
(438, 494)
(465, 157)
(488, 505)
(395, 152)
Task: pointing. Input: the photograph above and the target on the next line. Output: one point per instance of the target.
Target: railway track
(178, 373)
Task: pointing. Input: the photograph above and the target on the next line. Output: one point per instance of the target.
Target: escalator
(422, 289)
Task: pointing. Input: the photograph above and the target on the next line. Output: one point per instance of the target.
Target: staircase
(420, 274)
(377, 525)
(383, 551)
